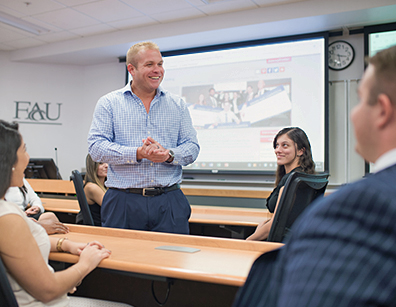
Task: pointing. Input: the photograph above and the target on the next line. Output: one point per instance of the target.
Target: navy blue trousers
(168, 212)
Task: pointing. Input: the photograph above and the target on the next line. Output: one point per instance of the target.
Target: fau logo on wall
(46, 113)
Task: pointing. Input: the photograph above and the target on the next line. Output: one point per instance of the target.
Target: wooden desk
(63, 205)
(226, 222)
(204, 220)
(199, 214)
(228, 215)
(219, 262)
(67, 188)
(52, 186)
(226, 192)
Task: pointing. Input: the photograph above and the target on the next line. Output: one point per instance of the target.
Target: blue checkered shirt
(120, 123)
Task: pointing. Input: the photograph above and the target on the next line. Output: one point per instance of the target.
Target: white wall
(37, 83)
(98, 81)
(345, 164)
(79, 87)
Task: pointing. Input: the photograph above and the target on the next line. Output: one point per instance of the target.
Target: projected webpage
(240, 98)
(381, 40)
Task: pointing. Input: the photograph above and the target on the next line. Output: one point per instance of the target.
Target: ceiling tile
(5, 47)
(263, 3)
(67, 19)
(150, 7)
(35, 6)
(196, 3)
(58, 36)
(100, 10)
(93, 30)
(25, 43)
(133, 22)
(74, 19)
(8, 33)
(9, 11)
(174, 15)
(42, 24)
(70, 3)
(227, 7)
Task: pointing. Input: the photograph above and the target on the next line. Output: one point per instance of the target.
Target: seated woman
(30, 203)
(25, 246)
(94, 188)
(293, 153)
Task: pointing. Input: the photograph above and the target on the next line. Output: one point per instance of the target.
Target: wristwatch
(171, 156)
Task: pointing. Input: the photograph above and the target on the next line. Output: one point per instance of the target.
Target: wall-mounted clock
(341, 55)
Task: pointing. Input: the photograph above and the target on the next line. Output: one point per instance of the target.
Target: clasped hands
(152, 150)
(32, 210)
(93, 249)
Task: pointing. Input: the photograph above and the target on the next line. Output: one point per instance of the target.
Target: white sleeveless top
(40, 235)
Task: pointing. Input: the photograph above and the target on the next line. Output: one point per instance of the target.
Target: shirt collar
(386, 160)
(160, 91)
(127, 88)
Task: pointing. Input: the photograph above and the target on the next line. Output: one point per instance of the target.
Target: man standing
(212, 101)
(260, 88)
(342, 251)
(226, 115)
(145, 134)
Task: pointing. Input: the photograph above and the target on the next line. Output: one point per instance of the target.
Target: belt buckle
(148, 189)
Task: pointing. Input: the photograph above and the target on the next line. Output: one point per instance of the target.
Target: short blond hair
(132, 57)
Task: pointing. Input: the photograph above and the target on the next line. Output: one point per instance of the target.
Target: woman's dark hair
(10, 141)
(91, 174)
(301, 141)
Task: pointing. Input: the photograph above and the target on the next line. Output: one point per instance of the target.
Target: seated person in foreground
(293, 153)
(25, 248)
(94, 188)
(342, 250)
(30, 203)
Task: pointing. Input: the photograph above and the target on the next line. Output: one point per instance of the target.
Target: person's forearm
(36, 202)
(187, 149)
(113, 153)
(54, 242)
(58, 286)
(67, 279)
(262, 232)
(186, 153)
(63, 282)
(33, 198)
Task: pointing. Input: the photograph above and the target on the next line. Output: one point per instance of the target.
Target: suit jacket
(342, 252)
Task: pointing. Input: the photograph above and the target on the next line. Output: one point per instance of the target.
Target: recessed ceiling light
(21, 24)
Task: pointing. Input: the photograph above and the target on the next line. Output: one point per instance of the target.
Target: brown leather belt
(150, 191)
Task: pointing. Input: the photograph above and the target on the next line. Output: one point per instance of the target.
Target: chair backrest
(82, 199)
(7, 297)
(299, 191)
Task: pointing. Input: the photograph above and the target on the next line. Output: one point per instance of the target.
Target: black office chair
(82, 199)
(7, 297)
(299, 191)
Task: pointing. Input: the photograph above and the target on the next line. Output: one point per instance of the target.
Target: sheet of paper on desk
(178, 249)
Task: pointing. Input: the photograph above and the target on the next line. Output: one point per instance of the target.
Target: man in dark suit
(342, 250)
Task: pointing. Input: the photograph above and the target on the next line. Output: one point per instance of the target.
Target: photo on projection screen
(240, 97)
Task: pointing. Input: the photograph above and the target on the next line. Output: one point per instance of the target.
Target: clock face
(341, 55)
